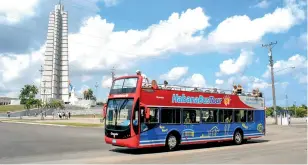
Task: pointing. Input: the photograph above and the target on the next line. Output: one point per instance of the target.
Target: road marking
(20, 122)
(57, 125)
(119, 158)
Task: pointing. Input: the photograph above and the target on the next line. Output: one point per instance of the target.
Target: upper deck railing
(198, 89)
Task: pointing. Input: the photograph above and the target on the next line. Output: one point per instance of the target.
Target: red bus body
(161, 99)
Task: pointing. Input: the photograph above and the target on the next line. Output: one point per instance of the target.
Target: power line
(270, 54)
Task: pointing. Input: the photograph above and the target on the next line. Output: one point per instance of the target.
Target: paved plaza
(21, 143)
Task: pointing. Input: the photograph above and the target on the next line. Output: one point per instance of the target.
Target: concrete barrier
(271, 120)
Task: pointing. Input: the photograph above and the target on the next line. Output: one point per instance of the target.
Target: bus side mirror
(147, 113)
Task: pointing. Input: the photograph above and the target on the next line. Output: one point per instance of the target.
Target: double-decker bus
(139, 116)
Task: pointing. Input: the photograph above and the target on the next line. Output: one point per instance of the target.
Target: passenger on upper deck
(154, 84)
(145, 79)
(165, 84)
(234, 89)
(239, 89)
(257, 93)
(215, 90)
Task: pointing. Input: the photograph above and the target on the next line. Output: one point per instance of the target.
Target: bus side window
(250, 115)
(154, 115)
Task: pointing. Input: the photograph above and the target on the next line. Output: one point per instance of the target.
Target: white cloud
(106, 82)
(302, 78)
(103, 50)
(219, 82)
(231, 66)
(282, 67)
(196, 80)
(13, 65)
(241, 29)
(299, 42)
(259, 83)
(13, 11)
(110, 3)
(175, 73)
(85, 78)
(263, 4)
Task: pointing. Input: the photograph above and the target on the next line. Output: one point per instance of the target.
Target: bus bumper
(132, 142)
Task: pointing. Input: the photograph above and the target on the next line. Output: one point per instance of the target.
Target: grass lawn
(5, 108)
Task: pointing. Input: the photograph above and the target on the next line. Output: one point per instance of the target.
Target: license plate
(114, 141)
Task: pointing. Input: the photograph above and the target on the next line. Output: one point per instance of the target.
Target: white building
(54, 81)
(9, 101)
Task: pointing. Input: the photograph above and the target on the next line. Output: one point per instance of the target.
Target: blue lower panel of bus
(198, 132)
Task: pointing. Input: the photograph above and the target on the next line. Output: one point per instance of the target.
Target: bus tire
(238, 137)
(172, 142)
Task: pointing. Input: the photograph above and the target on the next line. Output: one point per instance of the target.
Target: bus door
(149, 124)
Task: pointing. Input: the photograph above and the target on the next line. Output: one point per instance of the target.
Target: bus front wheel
(172, 142)
(238, 137)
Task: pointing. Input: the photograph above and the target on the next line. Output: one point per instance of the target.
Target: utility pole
(112, 73)
(96, 85)
(270, 47)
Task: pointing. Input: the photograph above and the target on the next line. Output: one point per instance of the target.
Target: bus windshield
(127, 85)
(119, 114)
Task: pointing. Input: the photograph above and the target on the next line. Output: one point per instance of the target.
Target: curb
(57, 125)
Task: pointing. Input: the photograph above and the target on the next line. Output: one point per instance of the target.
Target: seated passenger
(234, 89)
(215, 90)
(187, 120)
(195, 90)
(239, 89)
(165, 84)
(260, 94)
(154, 84)
(254, 93)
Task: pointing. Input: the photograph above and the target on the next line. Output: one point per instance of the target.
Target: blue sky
(195, 43)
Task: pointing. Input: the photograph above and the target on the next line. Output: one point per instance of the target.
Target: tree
(88, 94)
(28, 92)
(85, 94)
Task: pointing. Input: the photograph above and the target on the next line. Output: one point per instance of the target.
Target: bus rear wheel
(238, 137)
(172, 142)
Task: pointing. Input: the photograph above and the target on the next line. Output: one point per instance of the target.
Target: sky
(193, 43)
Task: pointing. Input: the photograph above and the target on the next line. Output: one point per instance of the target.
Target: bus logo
(114, 134)
(195, 100)
(227, 100)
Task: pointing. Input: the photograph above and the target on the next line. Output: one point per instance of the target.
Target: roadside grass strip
(12, 108)
(71, 124)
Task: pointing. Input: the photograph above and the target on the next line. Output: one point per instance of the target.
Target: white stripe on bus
(212, 138)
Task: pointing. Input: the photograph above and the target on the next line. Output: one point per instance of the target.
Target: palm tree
(90, 94)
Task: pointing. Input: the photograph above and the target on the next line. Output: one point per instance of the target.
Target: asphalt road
(21, 143)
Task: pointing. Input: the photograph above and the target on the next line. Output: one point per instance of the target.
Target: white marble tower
(55, 81)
